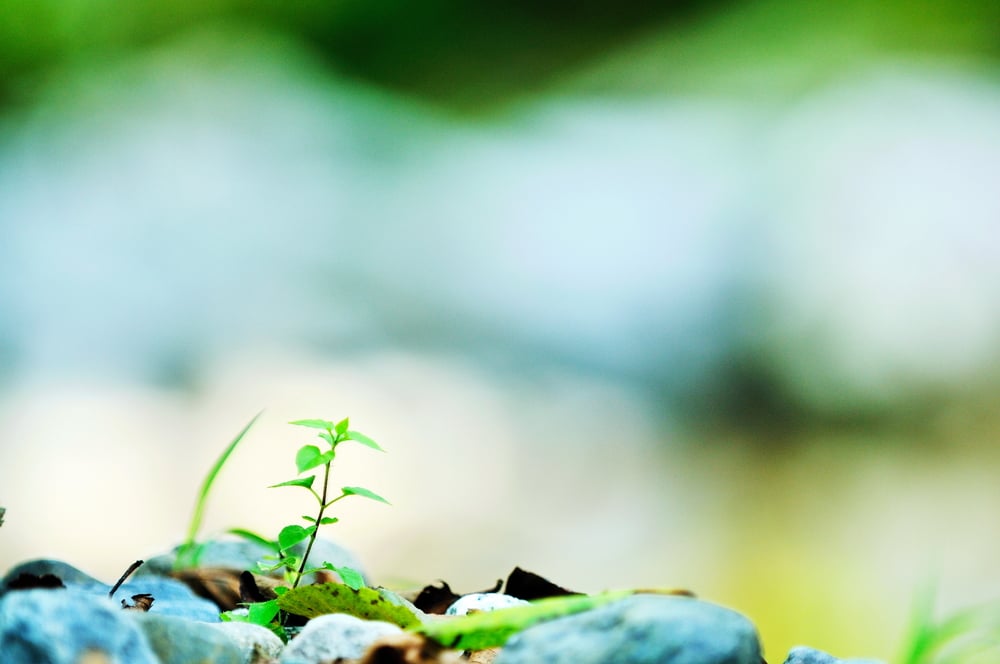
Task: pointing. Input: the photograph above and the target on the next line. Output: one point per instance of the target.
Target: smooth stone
(170, 598)
(67, 626)
(243, 554)
(332, 636)
(807, 655)
(42, 566)
(643, 629)
(482, 602)
(253, 641)
(180, 641)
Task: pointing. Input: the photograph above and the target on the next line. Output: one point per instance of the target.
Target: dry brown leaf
(484, 656)
(409, 648)
(142, 602)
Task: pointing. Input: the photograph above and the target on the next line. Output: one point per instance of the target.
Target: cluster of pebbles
(155, 619)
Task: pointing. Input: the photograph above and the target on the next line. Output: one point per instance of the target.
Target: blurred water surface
(741, 343)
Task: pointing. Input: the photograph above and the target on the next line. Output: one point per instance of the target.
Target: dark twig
(131, 568)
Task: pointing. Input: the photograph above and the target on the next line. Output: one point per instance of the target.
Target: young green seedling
(311, 457)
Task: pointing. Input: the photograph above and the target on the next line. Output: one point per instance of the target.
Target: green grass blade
(922, 628)
(184, 557)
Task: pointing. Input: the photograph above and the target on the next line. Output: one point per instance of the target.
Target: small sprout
(311, 457)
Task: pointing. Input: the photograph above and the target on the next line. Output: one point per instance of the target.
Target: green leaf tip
(361, 491)
(306, 482)
(325, 425)
(363, 439)
(350, 576)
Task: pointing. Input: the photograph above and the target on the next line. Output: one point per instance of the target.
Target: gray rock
(807, 655)
(334, 635)
(243, 554)
(251, 639)
(179, 641)
(171, 598)
(66, 572)
(62, 626)
(644, 629)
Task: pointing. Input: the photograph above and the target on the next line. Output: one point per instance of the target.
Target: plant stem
(315, 532)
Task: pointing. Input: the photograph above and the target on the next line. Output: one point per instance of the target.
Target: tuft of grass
(190, 550)
(969, 636)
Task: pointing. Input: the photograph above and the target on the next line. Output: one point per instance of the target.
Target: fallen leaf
(528, 585)
(408, 648)
(484, 656)
(490, 629)
(142, 602)
(366, 603)
(251, 592)
(433, 599)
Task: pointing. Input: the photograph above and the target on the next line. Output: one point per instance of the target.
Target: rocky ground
(68, 617)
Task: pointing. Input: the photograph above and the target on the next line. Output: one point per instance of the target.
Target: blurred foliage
(781, 46)
(466, 53)
(477, 55)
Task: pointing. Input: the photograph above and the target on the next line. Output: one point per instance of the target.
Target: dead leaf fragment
(528, 586)
(142, 602)
(435, 600)
(408, 648)
(484, 656)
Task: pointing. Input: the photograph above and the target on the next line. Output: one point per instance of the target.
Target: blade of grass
(921, 636)
(184, 553)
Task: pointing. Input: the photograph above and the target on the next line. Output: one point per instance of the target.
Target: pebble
(66, 626)
(42, 566)
(170, 597)
(482, 602)
(250, 639)
(642, 629)
(807, 655)
(332, 636)
(80, 624)
(181, 641)
(243, 554)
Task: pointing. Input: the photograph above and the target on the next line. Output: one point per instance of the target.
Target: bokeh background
(700, 294)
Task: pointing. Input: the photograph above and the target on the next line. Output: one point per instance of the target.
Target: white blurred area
(186, 241)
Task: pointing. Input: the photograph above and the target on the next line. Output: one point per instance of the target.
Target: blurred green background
(682, 293)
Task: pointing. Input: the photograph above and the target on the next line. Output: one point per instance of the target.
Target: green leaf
(341, 427)
(292, 535)
(326, 425)
(491, 629)
(306, 482)
(363, 439)
(364, 603)
(262, 613)
(308, 457)
(327, 437)
(351, 577)
(327, 520)
(361, 491)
